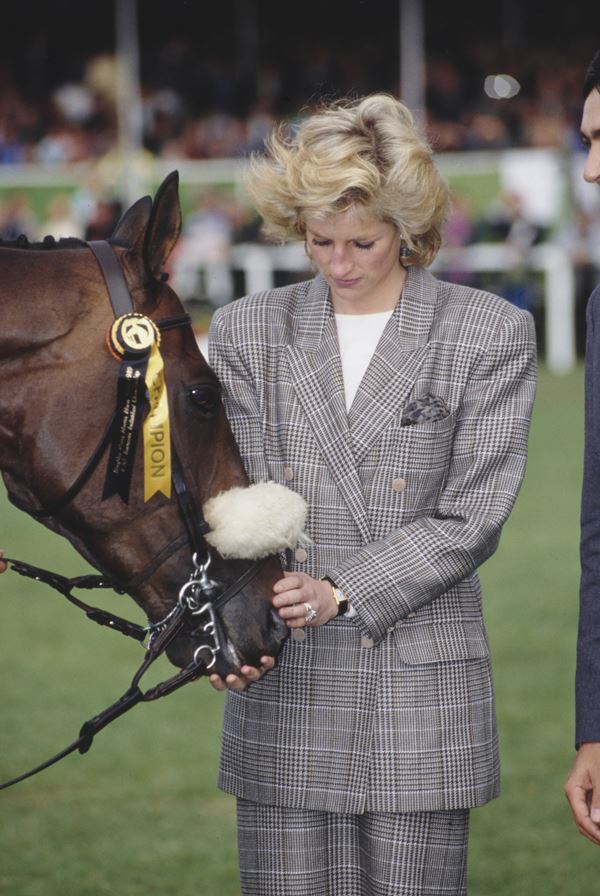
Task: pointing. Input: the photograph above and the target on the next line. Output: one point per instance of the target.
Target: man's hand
(582, 789)
(3, 565)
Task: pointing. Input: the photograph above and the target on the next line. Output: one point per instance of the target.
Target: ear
(164, 225)
(132, 226)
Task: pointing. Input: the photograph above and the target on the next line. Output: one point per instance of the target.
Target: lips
(344, 284)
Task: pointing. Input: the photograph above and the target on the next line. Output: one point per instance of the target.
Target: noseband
(200, 599)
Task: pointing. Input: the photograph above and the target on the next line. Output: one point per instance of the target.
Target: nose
(341, 261)
(591, 170)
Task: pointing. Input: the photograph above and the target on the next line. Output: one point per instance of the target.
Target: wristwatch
(338, 596)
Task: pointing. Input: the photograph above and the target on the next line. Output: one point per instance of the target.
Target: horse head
(63, 384)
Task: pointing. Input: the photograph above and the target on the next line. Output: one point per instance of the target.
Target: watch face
(341, 601)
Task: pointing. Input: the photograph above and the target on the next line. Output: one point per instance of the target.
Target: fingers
(248, 674)
(296, 614)
(582, 790)
(578, 801)
(3, 565)
(302, 600)
(290, 599)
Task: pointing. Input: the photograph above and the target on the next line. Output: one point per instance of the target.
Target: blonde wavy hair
(366, 153)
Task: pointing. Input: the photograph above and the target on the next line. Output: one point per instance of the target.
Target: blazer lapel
(388, 380)
(315, 368)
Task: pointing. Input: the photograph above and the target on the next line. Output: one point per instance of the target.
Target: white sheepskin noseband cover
(253, 522)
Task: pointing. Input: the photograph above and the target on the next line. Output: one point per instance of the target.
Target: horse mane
(49, 242)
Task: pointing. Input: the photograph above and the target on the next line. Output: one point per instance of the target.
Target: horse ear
(164, 226)
(133, 224)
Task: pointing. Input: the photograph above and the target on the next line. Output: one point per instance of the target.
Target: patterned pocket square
(424, 410)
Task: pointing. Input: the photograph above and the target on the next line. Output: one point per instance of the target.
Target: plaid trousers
(286, 852)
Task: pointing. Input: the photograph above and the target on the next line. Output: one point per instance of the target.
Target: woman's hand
(296, 595)
(302, 600)
(247, 675)
(3, 565)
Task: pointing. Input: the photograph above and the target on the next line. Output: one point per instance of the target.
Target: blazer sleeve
(241, 398)
(390, 578)
(587, 686)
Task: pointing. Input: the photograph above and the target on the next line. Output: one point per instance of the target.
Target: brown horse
(58, 395)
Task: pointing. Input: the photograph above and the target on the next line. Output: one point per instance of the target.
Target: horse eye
(205, 399)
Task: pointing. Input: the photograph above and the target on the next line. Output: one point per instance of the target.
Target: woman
(399, 407)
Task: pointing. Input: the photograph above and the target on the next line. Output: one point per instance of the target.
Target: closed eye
(358, 244)
(206, 399)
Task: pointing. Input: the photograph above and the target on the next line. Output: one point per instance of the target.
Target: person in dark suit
(398, 406)
(583, 784)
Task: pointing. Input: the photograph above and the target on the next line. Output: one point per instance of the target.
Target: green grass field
(140, 814)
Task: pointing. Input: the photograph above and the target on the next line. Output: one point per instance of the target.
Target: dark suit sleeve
(588, 643)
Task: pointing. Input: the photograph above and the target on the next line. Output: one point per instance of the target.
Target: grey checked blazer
(391, 710)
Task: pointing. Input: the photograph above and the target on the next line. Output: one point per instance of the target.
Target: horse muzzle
(229, 625)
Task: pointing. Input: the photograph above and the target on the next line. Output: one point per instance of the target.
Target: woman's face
(358, 254)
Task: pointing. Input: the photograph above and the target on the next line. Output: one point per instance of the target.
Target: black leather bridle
(200, 599)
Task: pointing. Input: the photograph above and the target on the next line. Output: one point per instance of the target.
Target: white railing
(554, 262)
(258, 264)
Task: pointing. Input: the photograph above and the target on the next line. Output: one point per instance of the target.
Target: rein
(200, 598)
(193, 602)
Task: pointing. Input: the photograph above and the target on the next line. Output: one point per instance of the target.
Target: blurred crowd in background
(202, 107)
(197, 108)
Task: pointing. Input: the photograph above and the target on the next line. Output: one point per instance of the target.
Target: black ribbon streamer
(131, 400)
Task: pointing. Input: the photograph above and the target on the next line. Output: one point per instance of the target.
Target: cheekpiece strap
(116, 284)
(134, 340)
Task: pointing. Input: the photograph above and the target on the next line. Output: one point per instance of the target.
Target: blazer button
(301, 555)
(288, 474)
(298, 634)
(399, 484)
(367, 642)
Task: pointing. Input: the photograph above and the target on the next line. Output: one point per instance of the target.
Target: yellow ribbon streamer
(157, 436)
